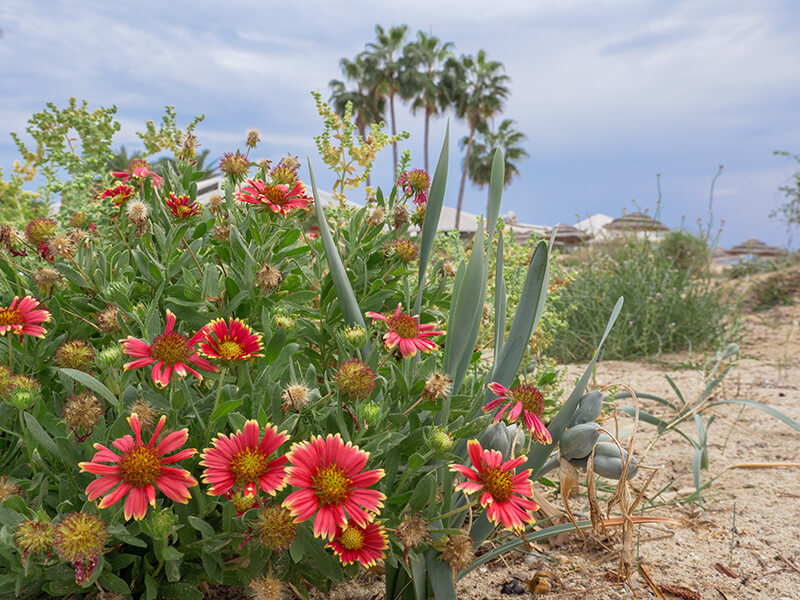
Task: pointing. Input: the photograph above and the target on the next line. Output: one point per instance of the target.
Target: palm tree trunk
(464, 176)
(427, 129)
(394, 133)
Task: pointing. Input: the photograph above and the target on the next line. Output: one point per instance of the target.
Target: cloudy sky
(609, 94)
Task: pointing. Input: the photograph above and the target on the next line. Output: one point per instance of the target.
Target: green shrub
(686, 251)
(778, 289)
(667, 308)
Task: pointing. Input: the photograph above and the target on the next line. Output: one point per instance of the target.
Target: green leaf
(344, 291)
(422, 493)
(225, 408)
(763, 407)
(496, 183)
(529, 310)
(540, 452)
(499, 300)
(93, 384)
(433, 211)
(40, 435)
(180, 591)
(120, 532)
(440, 576)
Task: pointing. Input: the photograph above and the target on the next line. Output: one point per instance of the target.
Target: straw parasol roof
(756, 248)
(567, 235)
(636, 221)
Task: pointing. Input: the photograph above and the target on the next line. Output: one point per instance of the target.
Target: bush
(778, 289)
(666, 309)
(686, 251)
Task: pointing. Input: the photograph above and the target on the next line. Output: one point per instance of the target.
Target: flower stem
(216, 403)
(455, 511)
(10, 355)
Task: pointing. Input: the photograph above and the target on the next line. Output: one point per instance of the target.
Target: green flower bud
(110, 358)
(371, 413)
(440, 442)
(352, 337)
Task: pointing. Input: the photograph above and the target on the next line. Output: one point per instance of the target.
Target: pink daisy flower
(119, 193)
(279, 197)
(333, 484)
(230, 341)
(525, 400)
(506, 494)
(170, 351)
(242, 459)
(182, 206)
(415, 183)
(137, 172)
(23, 317)
(140, 468)
(406, 332)
(354, 543)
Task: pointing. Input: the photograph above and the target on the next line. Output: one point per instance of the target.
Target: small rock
(512, 586)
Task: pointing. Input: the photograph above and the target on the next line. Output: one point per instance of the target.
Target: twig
(193, 256)
(789, 563)
(650, 582)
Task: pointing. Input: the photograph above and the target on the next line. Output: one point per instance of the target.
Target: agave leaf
(496, 182)
(658, 399)
(767, 409)
(441, 577)
(433, 211)
(499, 300)
(540, 452)
(529, 311)
(458, 282)
(468, 304)
(344, 291)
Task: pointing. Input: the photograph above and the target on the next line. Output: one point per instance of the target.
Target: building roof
(756, 248)
(636, 221)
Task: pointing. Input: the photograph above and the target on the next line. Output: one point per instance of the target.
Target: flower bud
(235, 165)
(283, 321)
(39, 230)
(440, 441)
(107, 320)
(353, 337)
(80, 537)
(371, 413)
(222, 233)
(75, 354)
(355, 380)
(35, 538)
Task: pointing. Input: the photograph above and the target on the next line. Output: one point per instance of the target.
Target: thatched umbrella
(567, 235)
(636, 221)
(756, 248)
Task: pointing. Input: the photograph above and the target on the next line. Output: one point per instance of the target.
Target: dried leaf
(591, 491)
(680, 592)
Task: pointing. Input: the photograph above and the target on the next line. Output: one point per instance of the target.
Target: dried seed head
(147, 414)
(47, 279)
(355, 379)
(189, 146)
(107, 319)
(457, 551)
(412, 531)
(268, 277)
(39, 230)
(82, 413)
(266, 588)
(405, 250)
(138, 213)
(265, 164)
(290, 162)
(75, 354)
(437, 386)
(375, 217)
(234, 164)
(253, 137)
(222, 233)
(275, 528)
(295, 396)
(10, 239)
(61, 246)
(215, 202)
(8, 488)
(79, 237)
(399, 215)
(448, 269)
(35, 538)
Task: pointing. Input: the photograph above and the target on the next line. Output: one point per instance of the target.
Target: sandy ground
(700, 550)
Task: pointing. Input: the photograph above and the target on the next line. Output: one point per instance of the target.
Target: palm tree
(386, 52)
(505, 138)
(477, 90)
(424, 59)
(120, 160)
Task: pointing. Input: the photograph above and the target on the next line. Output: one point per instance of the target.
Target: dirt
(701, 549)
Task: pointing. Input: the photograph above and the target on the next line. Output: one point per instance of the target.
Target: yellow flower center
(171, 347)
(10, 316)
(352, 538)
(497, 483)
(141, 466)
(182, 210)
(404, 325)
(248, 465)
(531, 398)
(331, 486)
(274, 194)
(230, 350)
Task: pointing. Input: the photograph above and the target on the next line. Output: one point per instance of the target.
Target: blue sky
(609, 94)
